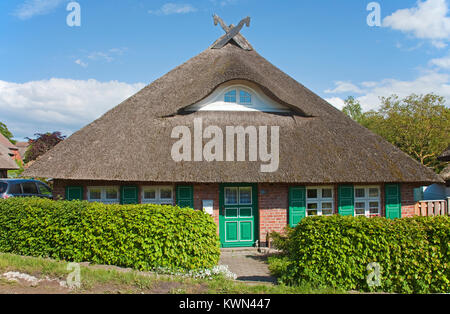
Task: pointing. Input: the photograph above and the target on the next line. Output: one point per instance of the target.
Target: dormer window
(230, 96)
(238, 96)
(245, 98)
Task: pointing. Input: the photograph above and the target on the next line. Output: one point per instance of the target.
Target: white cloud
(81, 63)
(173, 8)
(58, 104)
(30, 8)
(429, 82)
(344, 87)
(428, 20)
(336, 102)
(443, 63)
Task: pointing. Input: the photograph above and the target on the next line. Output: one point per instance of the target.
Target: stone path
(247, 264)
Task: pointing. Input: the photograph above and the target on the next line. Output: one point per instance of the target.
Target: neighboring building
(440, 191)
(22, 147)
(328, 164)
(14, 150)
(6, 161)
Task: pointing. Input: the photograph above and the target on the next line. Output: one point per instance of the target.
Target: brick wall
(407, 194)
(207, 192)
(273, 201)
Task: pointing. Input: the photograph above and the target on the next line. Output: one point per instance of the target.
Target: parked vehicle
(24, 188)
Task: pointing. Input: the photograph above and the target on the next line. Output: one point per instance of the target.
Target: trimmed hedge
(335, 251)
(138, 236)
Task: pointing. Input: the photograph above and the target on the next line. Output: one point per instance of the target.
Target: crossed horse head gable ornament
(232, 33)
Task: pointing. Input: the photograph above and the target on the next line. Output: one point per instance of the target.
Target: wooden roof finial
(232, 33)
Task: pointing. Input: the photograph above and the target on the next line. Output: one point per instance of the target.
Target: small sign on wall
(208, 206)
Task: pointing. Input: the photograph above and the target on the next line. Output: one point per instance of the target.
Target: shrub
(138, 236)
(413, 253)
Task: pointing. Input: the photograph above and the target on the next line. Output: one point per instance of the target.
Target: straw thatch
(6, 160)
(445, 155)
(318, 143)
(445, 174)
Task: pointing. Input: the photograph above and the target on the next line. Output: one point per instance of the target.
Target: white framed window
(367, 201)
(162, 195)
(320, 201)
(245, 97)
(238, 95)
(104, 194)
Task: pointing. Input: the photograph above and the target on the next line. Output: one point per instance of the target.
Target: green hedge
(335, 251)
(138, 236)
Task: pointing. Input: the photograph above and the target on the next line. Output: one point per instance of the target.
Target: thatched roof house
(327, 162)
(6, 161)
(445, 155)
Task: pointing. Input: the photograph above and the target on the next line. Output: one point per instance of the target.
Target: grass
(95, 279)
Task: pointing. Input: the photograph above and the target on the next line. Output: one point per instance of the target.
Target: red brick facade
(273, 201)
(408, 202)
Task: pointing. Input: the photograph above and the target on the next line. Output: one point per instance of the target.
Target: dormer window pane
(230, 96)
(245, 97)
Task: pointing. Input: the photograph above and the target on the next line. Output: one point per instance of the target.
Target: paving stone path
(248, 265)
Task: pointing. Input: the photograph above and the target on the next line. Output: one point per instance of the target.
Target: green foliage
(418, 124)
(6, 133)
(42, 144)
(353, 109)
(139, 236)
(335, 251)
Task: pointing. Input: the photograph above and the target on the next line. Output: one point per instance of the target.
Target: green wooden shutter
(185, 196)
(346, 200)
(74, 193)
(297, 205)
(393, 201)
(129, 195)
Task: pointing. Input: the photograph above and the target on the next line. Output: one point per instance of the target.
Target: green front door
(238, 215)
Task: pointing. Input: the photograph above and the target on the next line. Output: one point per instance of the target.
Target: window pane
(312, 209)
(44, 190)
(15, 189)
(360, 208)
(327, 193)
(360, 193)
(150, 194)
(373, 192)
(327, 205)
(245, 97)
(166, 193)
(95, 194)
(111, 194)
(374, 207)
(3, 187)
(312, 193)
(245, 196)
(327, 212)
(29, 188)
(231, 196)
(230, 96)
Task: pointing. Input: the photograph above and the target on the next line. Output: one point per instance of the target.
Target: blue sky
(56, 77)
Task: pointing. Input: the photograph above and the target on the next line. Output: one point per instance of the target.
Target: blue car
(24, 188)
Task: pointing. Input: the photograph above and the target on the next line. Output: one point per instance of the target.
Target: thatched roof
(6, 160)
(318, 143)
(5, 142)
(445, 174)
(445, 155)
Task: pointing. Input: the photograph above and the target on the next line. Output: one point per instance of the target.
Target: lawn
(48, 275)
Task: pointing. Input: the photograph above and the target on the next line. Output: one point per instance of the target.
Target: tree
(6, 133)
(353, 109)
(418, 124)
(43, 143)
